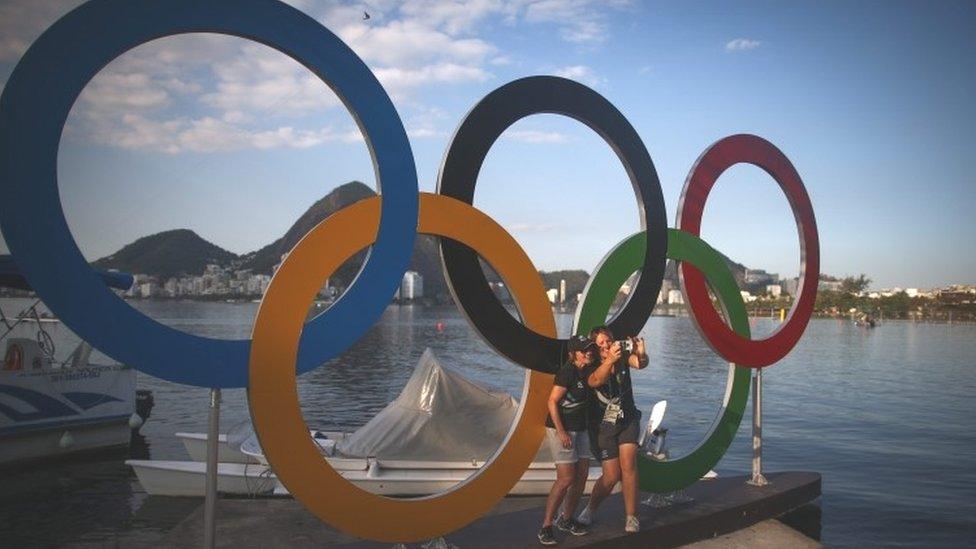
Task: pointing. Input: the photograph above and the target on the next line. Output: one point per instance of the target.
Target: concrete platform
(720, 507)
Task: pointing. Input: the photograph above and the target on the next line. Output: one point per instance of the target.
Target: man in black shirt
(568, 438)
(614, 422)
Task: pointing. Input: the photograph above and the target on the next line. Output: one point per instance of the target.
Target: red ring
(706, 171)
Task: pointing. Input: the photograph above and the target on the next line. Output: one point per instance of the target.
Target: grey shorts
(607, 437)
(579, 450)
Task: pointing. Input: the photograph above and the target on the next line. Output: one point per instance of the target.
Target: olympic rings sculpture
(54, 70)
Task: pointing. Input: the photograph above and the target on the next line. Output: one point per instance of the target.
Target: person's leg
(603, 486)
(565, 474)
(576, 490)
(628, 474)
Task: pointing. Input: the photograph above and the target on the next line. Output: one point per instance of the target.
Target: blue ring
(35, 104)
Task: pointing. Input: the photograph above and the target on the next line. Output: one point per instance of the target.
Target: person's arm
(638, 359)
(599, 376)
(555, 396)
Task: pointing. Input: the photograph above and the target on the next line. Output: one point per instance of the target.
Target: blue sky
(870, 101)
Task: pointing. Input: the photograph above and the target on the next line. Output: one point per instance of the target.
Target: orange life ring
(15, 358)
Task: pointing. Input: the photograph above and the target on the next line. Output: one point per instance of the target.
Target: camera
(626, 345)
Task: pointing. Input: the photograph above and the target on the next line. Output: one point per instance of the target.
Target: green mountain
(183, 252)
(263, 260)
(167, 254)
(425, 259)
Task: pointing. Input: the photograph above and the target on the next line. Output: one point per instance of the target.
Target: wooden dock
(719, 507)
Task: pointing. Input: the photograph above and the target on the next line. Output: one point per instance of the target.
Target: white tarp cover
(439, 416)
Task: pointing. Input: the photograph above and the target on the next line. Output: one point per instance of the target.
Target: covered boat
(439, 430)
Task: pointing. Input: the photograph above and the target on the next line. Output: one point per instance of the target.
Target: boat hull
(188, 478)
(50, 412)
(30, 446)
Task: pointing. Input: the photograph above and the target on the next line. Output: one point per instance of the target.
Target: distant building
(553, 294)
(562, 291)
(912, 292)
(666, 287)
(792, 286)
(412, 286)
(747, 297)
(675, 297)
(960, 295)
(774, 290)
(759, 277)
(829, 285)
(149, 289)
(171, 288)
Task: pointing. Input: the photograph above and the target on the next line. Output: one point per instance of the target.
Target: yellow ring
(273, 394)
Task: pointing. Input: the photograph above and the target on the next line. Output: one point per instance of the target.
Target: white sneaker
(633, 525)
(585, 517)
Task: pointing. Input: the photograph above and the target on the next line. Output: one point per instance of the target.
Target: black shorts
(606, 438)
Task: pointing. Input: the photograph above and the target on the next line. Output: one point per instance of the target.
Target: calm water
(883, 414)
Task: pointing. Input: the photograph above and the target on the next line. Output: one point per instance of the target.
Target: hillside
(167, 254)
(183, 252)
(267, 257)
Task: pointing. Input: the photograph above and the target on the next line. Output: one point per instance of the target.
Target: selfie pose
(614, 421)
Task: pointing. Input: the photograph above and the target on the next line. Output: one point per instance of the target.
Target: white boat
(385, 477)
(420, 444)
(196, 446)
(49, 409)
(188, 478)
(52, 407)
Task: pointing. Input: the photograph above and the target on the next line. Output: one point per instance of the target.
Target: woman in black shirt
(568, 439)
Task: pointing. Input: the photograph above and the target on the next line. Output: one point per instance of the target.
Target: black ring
(458, 177)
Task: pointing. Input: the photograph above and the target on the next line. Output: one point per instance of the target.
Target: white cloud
(425, 122)
(203, 87)
(501, 61)
(399, 81)
(207, 135)
(22, 21)
(581, 73)
(536, 136)
(742, 44)
(532, 227)
(115, 91)
(411, 43)
(264, 80)
(421, 133)
(181, 87)
(452, 15)
(580, 21)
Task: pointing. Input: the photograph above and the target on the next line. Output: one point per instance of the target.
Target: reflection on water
(883, 414)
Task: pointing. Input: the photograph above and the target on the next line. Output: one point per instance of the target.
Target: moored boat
(420, 444)
(52, 407)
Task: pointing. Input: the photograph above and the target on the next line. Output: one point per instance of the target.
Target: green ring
(614, 270)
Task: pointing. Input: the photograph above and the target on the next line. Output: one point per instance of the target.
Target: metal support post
(210, 502)
(757, 477)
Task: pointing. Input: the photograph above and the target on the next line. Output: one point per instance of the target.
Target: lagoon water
(885, 415)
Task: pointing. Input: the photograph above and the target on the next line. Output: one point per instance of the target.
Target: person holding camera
(614, 421)
(568, 439)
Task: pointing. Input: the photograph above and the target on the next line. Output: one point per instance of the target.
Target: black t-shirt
(617, 386)
(573, 406)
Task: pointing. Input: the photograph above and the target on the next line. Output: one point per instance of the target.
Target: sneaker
(585, 517)
(633, 525)
(545, 536)
(571, 526)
